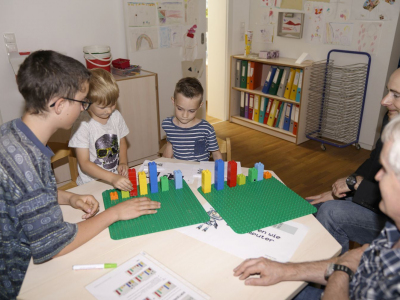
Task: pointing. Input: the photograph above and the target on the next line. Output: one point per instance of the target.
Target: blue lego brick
(153, 177)
(178, 179)
(219, 175)
(260, 170)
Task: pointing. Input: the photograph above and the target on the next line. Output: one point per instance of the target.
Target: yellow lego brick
(206, 181)
(142, 183)
(241, 179)
(125, 194)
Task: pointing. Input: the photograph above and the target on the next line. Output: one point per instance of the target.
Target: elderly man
(370, 272)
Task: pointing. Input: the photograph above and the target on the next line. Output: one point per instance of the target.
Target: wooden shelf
(258, 91)
(280, 61)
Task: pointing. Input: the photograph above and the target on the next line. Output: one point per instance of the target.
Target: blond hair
(103, 88)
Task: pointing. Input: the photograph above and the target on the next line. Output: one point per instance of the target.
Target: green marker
(95, 266)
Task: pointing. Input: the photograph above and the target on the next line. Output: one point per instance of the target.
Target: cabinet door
(138, 105)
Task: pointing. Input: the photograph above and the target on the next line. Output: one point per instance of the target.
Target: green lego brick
(164, 183)
(264, 203)
(252, 175)
(179, 208)
(125, 194)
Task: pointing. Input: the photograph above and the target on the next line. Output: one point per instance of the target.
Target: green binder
(273, 90)
(243, 74)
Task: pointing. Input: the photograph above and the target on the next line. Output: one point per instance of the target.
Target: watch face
(351, 180)
(329, 271)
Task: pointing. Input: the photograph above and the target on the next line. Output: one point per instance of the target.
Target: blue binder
(270, 78)
(288, 112)
(298, 93)
(263, 107)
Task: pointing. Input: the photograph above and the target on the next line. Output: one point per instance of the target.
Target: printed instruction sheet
(142, 277)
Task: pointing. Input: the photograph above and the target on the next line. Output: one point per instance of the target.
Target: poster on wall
(191, 12)
(143, 38)
(142, 14)
(339, 33)
(368, 35)
(316, 23)
(171, 12)
(375, 10)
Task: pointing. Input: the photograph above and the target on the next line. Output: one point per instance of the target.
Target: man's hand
(123, 169)
(321, 197)
(121, 182)
(270, 272)
(340, 188)
(87, 203)
(351, 258)
(136, 207)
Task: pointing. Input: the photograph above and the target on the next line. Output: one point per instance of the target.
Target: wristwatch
(351, 181)
(334, 267)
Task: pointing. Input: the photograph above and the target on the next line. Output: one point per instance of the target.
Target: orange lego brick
(267, 175)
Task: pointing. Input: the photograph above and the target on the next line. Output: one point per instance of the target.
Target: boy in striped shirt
(189, 138)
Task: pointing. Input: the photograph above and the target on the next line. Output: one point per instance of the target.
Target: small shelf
(265, 126)
(258, 91)
(280, 61)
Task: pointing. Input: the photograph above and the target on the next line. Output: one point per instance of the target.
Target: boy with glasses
(99, 135)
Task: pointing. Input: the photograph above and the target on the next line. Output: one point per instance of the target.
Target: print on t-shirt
(107, 152)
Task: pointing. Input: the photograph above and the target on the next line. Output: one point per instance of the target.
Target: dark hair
(46, 74)
(189, 87)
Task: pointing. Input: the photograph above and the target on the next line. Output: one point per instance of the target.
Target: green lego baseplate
(179, 208)
(258, 204)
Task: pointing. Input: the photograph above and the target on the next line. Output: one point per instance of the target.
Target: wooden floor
(304, 168)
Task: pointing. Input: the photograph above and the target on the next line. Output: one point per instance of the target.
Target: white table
(206, 267)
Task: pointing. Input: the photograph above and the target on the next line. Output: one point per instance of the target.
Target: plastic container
(121, 63)
(131, 71)
(98, 57)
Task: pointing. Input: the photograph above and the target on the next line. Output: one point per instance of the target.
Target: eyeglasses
(101, 153)
(85, 102)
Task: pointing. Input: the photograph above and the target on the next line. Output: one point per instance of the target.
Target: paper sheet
(142, 14)
(339, 33)
(368, 35)
(171, 12)
(143, 38)
(278, 242)
(142, 277)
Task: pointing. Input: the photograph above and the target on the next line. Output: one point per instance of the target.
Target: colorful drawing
(165, 37)
(368, 35)
(291, 24)
(339, 33)
(143, 38)
(316, 24)
(142, 14)
(370, 4)
(171, 12)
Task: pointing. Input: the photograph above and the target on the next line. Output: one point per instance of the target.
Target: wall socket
(11, 42)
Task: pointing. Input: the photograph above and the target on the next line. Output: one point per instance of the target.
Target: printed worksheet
(142, 277)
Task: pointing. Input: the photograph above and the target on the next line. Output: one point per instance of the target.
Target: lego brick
(153, 177)
(206, 181)
(132, 178)
(219, 174)
(164, 184)
(125, 194)
(267, 175)
(142, 183)
(264, 203)
(252, 175)
(260, 170)
(241, 179)
(232, 173)
(114, 196)
(179, 208)
(178, 179)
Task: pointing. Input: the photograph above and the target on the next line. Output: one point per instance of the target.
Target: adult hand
(87, 203)
(340, 188)
(351, 258)
(136, 207)
(121, 182)
(270, 272)
(123, 169)
(321, 197)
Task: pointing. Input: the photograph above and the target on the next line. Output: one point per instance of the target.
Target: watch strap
(344, 269)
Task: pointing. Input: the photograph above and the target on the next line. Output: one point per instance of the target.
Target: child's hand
(121, 182)
(136, 207)
(87, 203)
(123, 169)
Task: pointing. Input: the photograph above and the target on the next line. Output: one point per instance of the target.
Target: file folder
(273, 90)
(242, 104)
(270, 101)
(289, 84)
(281, 109)
(243, 75)
(296, 119)
(282, 119)
(256, 112)
(249, 71)
(283, 83)
(255, 76)
(251, 106)
(237, 77)
(286, 123)
(292, 118)
(263, 107)
(272, 113)
(246, 105)
(269, 79)
(277, 113)
(294, 85)
(298, 94)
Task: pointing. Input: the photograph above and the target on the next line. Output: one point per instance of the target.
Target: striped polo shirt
(194, 143)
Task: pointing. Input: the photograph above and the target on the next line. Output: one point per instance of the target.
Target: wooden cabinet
(235, 91)
(138, 104)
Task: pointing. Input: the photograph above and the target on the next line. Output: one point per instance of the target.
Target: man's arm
(168, 152)
(93, 170)
(86, 203)
(216, 155)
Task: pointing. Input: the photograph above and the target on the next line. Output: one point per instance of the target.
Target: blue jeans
(347, 221)
(309, 293)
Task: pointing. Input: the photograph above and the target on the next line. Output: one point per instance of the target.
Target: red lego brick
(232, 173)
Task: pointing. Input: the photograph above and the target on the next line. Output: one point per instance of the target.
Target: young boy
(99, 135)
(54, 87)
(189, 138)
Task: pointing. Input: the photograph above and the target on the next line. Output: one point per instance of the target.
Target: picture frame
(290, 25)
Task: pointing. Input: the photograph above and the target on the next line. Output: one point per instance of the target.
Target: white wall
(293, 48)
(64, 26)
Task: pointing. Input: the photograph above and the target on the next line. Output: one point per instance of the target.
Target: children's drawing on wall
(165, 37)
(330, 10)
(316, 24)
(266, 34)
(267, 3)
(374, 10)
(267, 16)
(339, 33)
(141, 39)
(189, 49)
(291, 23)
(193, 69)
(191, 11)
(368, 35)
(176, 36)
(370, 4)
(142, 14)
(391, 2)
(171, 12)
(343, 11)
